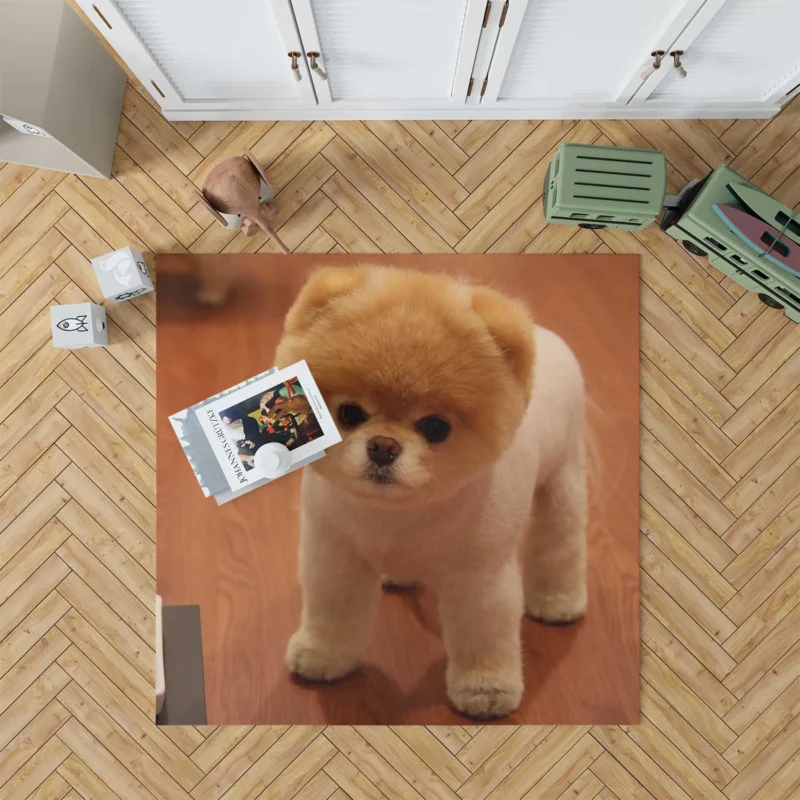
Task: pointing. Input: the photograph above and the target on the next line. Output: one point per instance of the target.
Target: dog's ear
(511, 327)
(319, 291)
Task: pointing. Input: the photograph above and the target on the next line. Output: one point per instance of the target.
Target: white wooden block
(79, 325)
(122, 274)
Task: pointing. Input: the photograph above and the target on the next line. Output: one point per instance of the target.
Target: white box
(122, 274)
(79, 325)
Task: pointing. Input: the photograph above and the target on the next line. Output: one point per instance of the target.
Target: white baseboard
(700, 111)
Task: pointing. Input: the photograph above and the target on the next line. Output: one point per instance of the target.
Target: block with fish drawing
(79, 325)
(122, 275)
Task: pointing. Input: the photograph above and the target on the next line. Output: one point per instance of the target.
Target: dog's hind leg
(554, 571)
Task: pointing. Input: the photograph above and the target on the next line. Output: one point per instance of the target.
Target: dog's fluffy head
(427, 377)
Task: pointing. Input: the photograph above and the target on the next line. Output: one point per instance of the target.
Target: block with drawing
(122, 275)
(78, 325)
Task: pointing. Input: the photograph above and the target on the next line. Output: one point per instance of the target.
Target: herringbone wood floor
(720, 492)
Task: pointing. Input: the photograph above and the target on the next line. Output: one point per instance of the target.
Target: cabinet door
(389, 54)
(208, 54)
(574, 53)
(743, 51)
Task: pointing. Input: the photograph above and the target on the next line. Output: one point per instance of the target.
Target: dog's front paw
(484, 694)
(559, 608)
(317, 662)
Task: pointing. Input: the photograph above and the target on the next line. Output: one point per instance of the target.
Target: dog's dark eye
(434, 429)
(351, 415)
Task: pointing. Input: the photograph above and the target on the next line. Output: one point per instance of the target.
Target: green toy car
(615, 187)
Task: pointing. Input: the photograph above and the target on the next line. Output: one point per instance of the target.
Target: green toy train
(743, 232)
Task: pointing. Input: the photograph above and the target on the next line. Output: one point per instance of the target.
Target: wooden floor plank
(152, 197)
(30, 267)
(437, 143)
(682, 555)
(143, 152)
(347, 198)
(90, 605)
(12, 176)
(508, 173)
(79, 450)
(686, 702)
(20, 529)
(475, 133)
(500, 146)
(300, 152)
(32, 192)
(31, 629)
(147, 119)
(209, 135)
(24, 441)
(426, 168)
(31, 230)
(414, 210)
(106, 771)
(34, 736)
(452, 127)
(688, 742)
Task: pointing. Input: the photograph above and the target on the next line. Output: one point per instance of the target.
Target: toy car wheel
(769, 301)
(693, 248)
(592, 226)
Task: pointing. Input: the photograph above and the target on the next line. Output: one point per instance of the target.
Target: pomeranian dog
(463, 430)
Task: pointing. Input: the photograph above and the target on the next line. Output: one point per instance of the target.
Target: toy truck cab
(702, 231)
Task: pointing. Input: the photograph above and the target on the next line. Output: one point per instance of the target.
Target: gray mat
(185, 695)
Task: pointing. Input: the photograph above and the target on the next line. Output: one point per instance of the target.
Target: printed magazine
(221, 435)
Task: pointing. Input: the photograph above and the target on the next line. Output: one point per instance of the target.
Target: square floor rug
(237, 563)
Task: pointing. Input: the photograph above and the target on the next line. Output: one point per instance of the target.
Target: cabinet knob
(657, 56)
(313, 56)
(294, 55)
(676, 57)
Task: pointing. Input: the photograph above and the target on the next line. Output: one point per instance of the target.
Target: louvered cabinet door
(208, 55)
(386, 54)
(574, 54)
(735, 51)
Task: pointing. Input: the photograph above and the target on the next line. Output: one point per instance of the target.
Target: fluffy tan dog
(463, 430)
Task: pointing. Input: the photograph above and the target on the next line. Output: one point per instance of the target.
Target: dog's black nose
(383, 450)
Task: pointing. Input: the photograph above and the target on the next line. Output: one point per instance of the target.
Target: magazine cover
(284, 407)
(221, 435)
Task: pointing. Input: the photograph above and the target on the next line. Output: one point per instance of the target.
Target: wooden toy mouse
(238, 194)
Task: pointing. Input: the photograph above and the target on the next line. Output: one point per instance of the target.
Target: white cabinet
(206, 55)
(583, 57)
(734, 51)
(577, 52)
(413, 54)
(356, 59)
